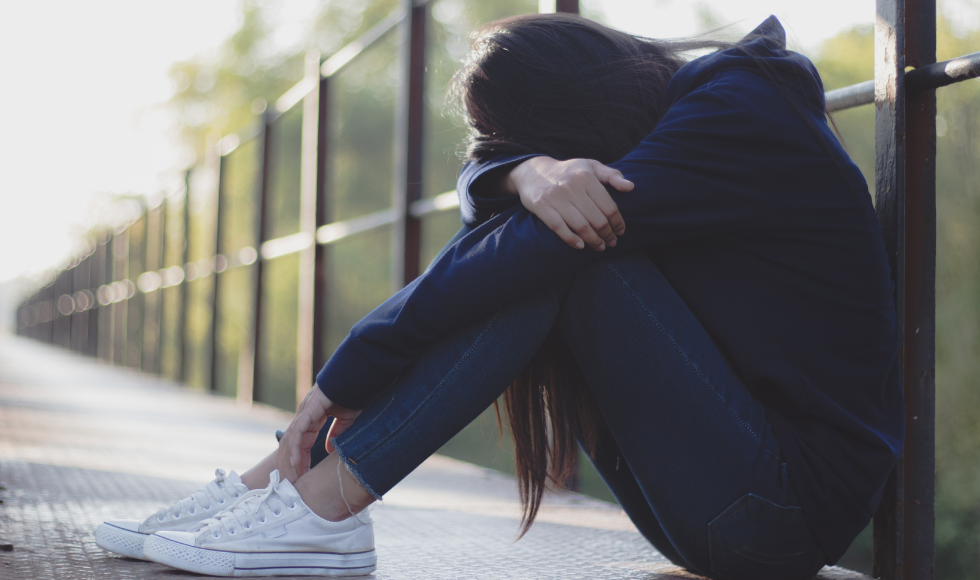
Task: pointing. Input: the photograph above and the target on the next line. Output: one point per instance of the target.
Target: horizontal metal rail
(932, 76)
(928, 77)
(152, 281)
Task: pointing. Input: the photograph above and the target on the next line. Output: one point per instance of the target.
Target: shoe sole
(120, 541)
(221, 563)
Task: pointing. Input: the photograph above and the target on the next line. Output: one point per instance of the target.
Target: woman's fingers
(610, 176)
(294, 448)
(570, 198)
(602, 199)
(551, 218)
(584, 211)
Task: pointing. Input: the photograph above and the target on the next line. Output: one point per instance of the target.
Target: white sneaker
(126, 537)
(269, 532)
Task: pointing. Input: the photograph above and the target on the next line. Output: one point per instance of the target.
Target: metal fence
(133, 293)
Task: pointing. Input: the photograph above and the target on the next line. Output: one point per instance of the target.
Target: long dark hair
(566, 87)
(562, 85)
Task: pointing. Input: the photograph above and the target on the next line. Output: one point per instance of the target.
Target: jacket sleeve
(695, 177)
(476, 205)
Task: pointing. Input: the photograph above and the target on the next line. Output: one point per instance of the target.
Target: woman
(734, 327)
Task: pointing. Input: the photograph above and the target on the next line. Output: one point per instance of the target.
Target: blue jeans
(692, 459)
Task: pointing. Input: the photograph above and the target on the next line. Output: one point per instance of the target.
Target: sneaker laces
(253, 508)
(218, 491)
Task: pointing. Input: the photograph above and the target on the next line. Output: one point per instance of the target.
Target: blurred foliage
(847, 59)
(224, 92)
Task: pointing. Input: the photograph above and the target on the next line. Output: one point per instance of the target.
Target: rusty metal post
(309, 171)
(81, 276)
(153, 298)
(570, 6)
(180, 332)
(96, 279)
(106, 325)
(905, 143)
(321, 270)
(136, 304)
(120, 312)
(409, 117)
(889, 522)
(919, 349)
(217, 266)
(249, 388)
(47, 307)
(64, 308)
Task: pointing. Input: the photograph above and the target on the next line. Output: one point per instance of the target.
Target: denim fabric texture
(692, 458)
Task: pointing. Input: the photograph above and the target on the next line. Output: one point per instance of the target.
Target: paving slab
(81, 442)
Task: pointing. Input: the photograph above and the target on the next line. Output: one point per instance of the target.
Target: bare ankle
(332, 492)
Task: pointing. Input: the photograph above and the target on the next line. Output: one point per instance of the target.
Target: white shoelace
(254, 508)
(217, 492)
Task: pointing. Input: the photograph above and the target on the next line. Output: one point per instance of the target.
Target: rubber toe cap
(131, 525)
(180, 537)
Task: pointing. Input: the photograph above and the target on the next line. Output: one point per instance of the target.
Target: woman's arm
(707, 174)
(569, 196)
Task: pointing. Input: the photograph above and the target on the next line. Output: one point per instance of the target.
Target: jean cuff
(352, 469)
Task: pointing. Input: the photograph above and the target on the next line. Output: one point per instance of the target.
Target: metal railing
(98, 295)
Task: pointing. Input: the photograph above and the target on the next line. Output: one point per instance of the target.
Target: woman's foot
(269, 532)
(126, 537)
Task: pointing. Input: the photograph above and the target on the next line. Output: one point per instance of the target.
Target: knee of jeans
(595, 277)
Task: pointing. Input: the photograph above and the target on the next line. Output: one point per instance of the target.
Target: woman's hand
(294, 448)
(570, 198)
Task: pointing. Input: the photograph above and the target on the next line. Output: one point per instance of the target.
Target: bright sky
(83, 84)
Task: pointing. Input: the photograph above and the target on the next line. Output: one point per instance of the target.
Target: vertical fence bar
(62, 299)
(153, 300)
(321, 270)
(218, 264)
(181, 331)
(47, 331)
(570, 6)
(919, 349)
(307, 226)
(249, 388)
(905, 143)
(96, 280)
(79, 324)
(898, 528)
(120, 272)
(889, 522)
(106, 324)
(136, 304)
(409, 118)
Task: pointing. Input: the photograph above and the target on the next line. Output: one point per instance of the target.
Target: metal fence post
(309, 171)
(96, 268)
(79, 327)
(180, 332)
(156, 222)
(919, 349)
(107, 309)
(249, 388)
(409, 117)
(120, 272)
(218, 264)
(570, 6)
(321, 268)
(136, 302)
(905, 201)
